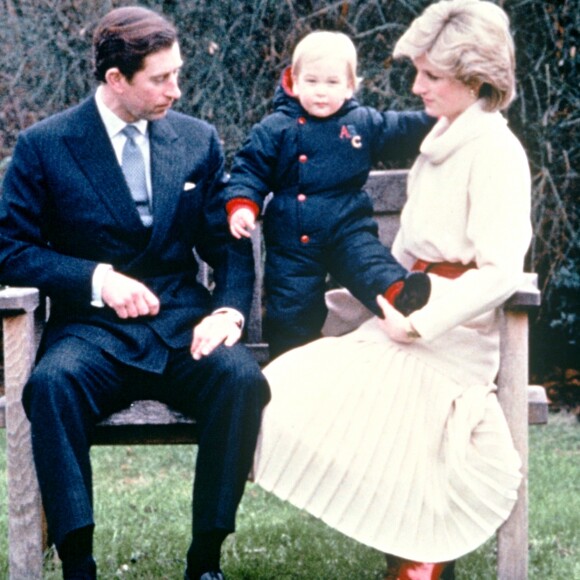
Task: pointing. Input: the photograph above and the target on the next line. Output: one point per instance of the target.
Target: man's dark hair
(126, 36)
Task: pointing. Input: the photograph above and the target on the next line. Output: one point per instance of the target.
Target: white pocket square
(188, 185)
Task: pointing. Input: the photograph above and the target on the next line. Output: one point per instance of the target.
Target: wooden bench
(149, 422)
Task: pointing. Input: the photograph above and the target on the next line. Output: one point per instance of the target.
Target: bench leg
(24, 504)
(512, 558)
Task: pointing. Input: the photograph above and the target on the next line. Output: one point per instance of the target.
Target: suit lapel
(166, 176)
(91, 147)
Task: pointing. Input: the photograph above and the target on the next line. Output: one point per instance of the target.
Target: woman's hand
(397, 326)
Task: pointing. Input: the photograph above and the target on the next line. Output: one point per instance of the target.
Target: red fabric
(287, 82)
(420, 571)
(400, 569)
(239, 202)
(445, 269)
(393, 291)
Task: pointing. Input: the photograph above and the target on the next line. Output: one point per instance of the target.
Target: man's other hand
(220, 327)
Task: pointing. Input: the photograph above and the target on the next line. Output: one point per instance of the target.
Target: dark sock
(76, 555)
(81, 569)
(204, 553)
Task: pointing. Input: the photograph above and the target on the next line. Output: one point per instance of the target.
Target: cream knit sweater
(468, 201)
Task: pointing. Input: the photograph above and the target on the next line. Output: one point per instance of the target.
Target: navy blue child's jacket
(319, 219)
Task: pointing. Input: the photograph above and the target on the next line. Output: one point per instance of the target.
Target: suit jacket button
(301, 197)
(303, 158)
(304, 239)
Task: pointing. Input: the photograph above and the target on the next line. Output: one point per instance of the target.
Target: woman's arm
(498, 228)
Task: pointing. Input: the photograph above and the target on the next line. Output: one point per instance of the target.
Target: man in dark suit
(104, 220)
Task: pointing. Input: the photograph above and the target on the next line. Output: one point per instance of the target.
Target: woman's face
(443, 95)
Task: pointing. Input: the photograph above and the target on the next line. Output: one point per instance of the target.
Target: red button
(304, 239)
(301, 197)
(302, 120)
(303, 158)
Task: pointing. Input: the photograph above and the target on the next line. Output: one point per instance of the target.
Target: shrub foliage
(235, 51)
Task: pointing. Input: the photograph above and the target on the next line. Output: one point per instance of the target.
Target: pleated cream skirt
(389, 444)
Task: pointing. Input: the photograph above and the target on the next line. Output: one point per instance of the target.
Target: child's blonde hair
(325, 43)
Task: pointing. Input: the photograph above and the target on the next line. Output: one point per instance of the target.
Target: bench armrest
(527, 296)
(14, 301)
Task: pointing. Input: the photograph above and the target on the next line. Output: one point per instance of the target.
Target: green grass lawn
(142, 503)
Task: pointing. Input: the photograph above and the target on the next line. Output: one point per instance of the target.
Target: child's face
(322, 86)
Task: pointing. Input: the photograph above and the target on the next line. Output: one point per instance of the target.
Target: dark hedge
(236, 50)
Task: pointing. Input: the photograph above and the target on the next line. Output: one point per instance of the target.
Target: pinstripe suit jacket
(66, 207)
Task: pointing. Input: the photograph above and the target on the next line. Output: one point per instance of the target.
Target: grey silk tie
(133, 167)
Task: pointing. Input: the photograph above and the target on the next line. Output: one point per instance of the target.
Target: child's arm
(400, 134)
(251, 178)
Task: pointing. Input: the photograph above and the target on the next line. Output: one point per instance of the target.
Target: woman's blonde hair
(323, 44)
(469, 40)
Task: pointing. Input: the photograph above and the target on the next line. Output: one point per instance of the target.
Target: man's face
(152, 90)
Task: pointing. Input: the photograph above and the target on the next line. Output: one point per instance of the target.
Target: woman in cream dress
(392, 434)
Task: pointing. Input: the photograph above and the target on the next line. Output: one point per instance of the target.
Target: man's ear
(115, 79)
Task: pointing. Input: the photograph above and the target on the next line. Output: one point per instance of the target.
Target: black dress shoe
(415, 293)
(213, 576)
(219, 575)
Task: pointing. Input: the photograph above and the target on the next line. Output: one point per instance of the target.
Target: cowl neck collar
(445, 138)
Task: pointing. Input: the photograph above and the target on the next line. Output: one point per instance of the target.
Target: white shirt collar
(114, 124)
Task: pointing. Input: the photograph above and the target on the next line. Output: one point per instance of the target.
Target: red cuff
(238, 203)
(393, 291)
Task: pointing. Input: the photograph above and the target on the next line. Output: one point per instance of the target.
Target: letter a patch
(344, 134)
(349, 132)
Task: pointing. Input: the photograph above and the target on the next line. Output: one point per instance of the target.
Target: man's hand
(397, 326)
(128, 297)
(213, 330)
(242, 223)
